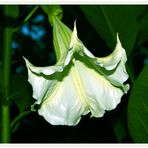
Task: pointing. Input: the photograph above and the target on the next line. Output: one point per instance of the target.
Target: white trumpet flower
(79, 84)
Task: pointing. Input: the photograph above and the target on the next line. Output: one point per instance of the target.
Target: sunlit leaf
(138, 108)
(108, 20)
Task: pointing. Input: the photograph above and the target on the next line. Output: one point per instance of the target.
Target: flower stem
(6, 61)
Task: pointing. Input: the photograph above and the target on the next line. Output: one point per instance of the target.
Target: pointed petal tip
(75, 22)
(24, 58)
(75, 29)
(74, 36)
(118, 39)
(26, 61)
(28, 64)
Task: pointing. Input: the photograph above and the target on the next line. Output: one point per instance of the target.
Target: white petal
(101, 94)
(63, 106)
(111, 61)
(74, 37)
(68, 57)
(40, 83)
(88, 53)
(119, 75)
(114, 64)
(48, 70)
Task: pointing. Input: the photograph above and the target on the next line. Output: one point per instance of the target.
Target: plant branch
(19, 117)
(6, 61)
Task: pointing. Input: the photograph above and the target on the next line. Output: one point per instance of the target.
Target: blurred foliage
(97, 27)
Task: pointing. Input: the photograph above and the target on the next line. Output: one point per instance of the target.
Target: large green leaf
(143, 28)
(138, 108)
(139, 10)
(108, 20)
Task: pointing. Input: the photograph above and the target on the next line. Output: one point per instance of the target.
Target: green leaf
(139, 10)
(143, 28)
(138, 108)
(108, 20)
(20, 92)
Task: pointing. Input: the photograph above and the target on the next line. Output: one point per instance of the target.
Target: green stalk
(6, 61)
(27, 18)
(18, 118)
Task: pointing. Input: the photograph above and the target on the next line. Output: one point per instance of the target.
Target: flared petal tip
(118, 39)
(74, 36)
(74, 33)
(25, 59)
(75, 27)
(27, 62)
